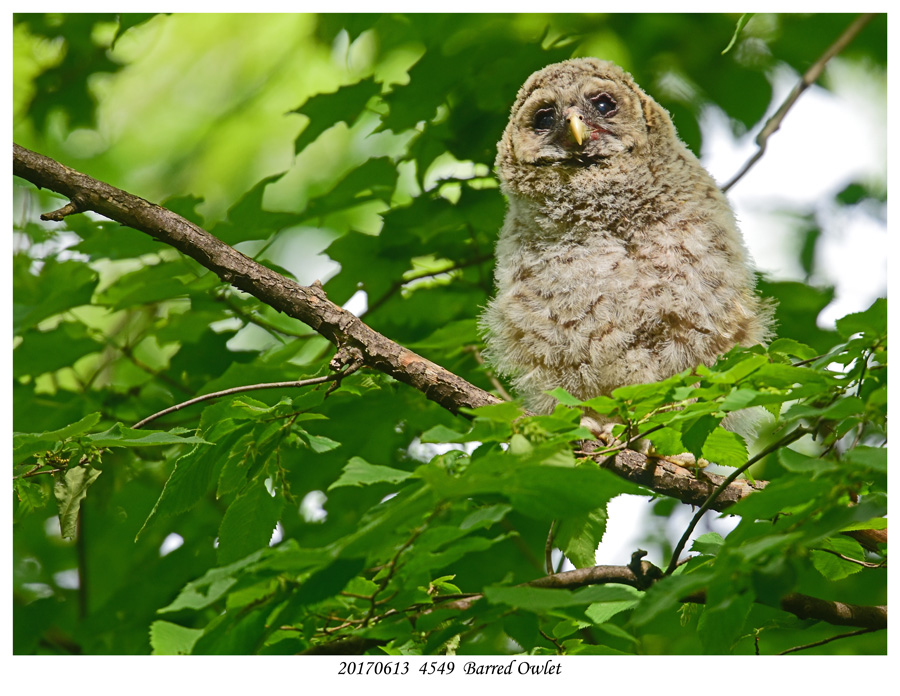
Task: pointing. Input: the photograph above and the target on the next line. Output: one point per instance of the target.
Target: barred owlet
(619, 261)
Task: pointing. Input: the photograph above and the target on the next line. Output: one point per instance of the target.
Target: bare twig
(548, 548)
(397, 285)
(240, 390)
(786, 440)
(497, 384)
(864, 564)
(809, 78)
(828, 640)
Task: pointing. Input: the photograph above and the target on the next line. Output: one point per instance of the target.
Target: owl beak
(577, 126)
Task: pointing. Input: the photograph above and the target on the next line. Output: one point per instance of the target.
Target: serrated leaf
(248, 523)
(69, 490)
(579, 536)
(358, 472)
(708, 544)
(833, 567)
(325, 110)
(698, 433)
(192, 476)
(725, 448)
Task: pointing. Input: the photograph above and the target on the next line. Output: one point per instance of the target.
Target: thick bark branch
(803, 606)
(306, 303)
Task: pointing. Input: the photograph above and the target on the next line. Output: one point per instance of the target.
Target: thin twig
(479, 358)
(238, 390)
(559, 648)
(809, 78)
(864, 564)
(828, 640)
(548, 548)
(783, 442)
(399, 284)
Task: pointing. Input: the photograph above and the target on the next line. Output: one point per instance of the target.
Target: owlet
(619, 261)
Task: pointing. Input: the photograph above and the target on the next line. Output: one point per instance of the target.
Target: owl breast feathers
(619, 261)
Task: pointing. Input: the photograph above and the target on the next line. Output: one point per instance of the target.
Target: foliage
(286, 520)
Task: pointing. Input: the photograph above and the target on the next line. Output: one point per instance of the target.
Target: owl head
(581, 113)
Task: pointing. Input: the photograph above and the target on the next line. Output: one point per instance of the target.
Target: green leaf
(708, 544)
(69, 490)
(564, 397)
(523, 627)
(248, 522)
(441, 433)
(326, 110)
(613, 600)
(47, 351)
(58, 287)
(742, 22)
(780, 495)
(833, 567)
(167, 638)
(697, 434)
(122, 436)
(721, 625)
(536, 599)
(26, 444)
(725, 448)
(192, 476)
(579, 536)
(868, 458)
(485, 517)
(358, 472)
(802, 464)
(212, 586)
(666, 594)
(330, 580)
(788, 346)
(872, 322)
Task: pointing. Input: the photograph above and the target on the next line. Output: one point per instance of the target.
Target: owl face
(578, 113)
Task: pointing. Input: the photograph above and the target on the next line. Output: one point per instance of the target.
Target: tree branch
(306, 303)
(803, 606)
(310, 305)
(809, 78)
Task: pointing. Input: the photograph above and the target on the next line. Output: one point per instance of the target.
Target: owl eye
(544, 119)
(605, 104)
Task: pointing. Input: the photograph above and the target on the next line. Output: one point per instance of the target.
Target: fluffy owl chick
(619, 261)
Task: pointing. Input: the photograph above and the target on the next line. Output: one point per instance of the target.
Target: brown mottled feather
(620, 260)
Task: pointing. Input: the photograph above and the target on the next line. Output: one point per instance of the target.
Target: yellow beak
(577, 127)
